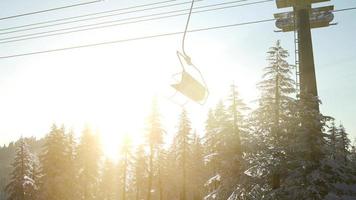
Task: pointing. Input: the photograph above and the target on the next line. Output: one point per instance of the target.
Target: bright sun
(110, 94)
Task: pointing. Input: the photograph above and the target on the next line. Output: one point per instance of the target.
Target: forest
(282, 149)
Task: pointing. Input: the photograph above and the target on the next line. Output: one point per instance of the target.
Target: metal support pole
(308, 86)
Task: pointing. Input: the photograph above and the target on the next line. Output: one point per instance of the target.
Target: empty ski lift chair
(188, 85)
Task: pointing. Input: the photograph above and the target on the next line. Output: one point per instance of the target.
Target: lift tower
(301, 20)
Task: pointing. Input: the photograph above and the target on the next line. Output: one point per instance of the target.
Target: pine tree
(35, 176)
(183, 139)
(3, 183)
(312, 174)
(21, 185)
(235, 114)
(70, 170)
(173, 185)
(197, 172)
(162, 173)
(154, 139)
(277, 87)
(353, 153)
(332, 134)
(306, 178)
(88, 157)
(210, 135)
(343, 143)
(126, 155)
(232, 175)
(223, 143)
(140, 170)
(108, 182)
(273, 120)
(236, 109)
(213, 142)
(53, 165)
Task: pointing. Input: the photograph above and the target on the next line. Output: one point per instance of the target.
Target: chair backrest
(191, 88)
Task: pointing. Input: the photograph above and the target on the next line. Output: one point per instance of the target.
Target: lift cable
(149, 37)
(86, 19)
(87, 15)
(137, 38)
(70, 30)
(49, 10)
(124, 19)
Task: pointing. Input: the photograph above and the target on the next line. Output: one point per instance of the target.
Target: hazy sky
(111, 87)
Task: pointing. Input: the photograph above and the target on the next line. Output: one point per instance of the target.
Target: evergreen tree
(212, 147)
(183, 139)
(211, 139)
(236, 109)
(212, 142)
(232, 174)
(343, 143)
(88, 157)
(197, 172)
(126, 154)
(108, 182)
(35, 176)
(332, 134)
(309, 177)
(273, 121)
(53, 165)
(3, 183)
(70, 168)
(162, 173)
(223, 141)
(140, 170)
(173, 186)
(353, 153)
(311, 173)
(21, 185)
(154, 139)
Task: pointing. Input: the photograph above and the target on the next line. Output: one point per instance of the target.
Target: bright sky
(111, 87)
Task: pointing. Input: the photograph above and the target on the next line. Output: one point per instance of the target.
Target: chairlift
(187, 84)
